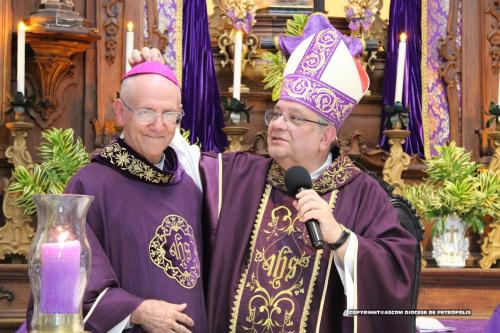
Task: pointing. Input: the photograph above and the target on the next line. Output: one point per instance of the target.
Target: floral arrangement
(361, 14)
(456, 186)
(241, 14)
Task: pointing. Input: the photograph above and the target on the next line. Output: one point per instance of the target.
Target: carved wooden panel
(111, 29)
(450, 70)
(469, 288)
(112, 17)
(491, 44)
(15, 292)
(493, 34)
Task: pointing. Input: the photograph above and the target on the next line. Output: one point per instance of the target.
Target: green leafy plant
(276, 62)
(456, 186)
(274, 72)
(186, 134)
(61, 157)
(295, 26)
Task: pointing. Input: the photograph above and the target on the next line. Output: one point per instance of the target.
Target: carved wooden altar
(87, 84)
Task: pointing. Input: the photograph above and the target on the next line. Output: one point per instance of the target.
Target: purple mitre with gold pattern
(322, 75)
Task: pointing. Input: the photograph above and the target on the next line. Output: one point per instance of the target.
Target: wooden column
(472, 67)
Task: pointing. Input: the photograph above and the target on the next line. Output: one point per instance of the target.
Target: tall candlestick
(129, 44)
(59, 277)
(238, 48)
(398, 96)
(21, 41)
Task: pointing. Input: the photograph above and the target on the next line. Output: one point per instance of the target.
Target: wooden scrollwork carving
(450, 70)
(111, 28)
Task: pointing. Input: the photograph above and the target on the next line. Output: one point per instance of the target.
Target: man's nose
(158, 123)
(279, 122)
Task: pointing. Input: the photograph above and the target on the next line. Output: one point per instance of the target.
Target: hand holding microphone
(297, 179)
(321, 225)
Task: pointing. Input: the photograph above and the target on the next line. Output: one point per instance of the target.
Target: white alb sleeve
(189, 157)
(346, 271)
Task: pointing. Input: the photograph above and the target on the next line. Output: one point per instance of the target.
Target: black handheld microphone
(297, 178)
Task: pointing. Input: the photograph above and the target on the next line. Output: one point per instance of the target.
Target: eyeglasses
(148, 117)
(296, 120)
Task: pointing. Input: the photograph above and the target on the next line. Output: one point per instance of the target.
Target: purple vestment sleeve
(241, 193)
(209, 173)
(117, 303)
(386, 254)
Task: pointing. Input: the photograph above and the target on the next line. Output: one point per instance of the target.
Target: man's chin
(275, 152)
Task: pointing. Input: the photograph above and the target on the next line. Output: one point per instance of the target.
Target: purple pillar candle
(60, 277)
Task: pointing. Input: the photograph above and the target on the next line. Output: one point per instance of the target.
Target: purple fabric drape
(200, 94)
(405, 17)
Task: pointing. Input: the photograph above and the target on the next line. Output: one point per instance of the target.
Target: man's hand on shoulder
(159, 316)
(145, 54)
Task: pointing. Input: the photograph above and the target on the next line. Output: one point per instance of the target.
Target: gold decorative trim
(337, 174)
(323, 295)
(178, 42)
(355, 328)
(253, 240)
(119, 156)
(314, 278)
(219, 204)
(17, 233)
(397, 161)
(332, 201)
(188, 271)
(425, 93)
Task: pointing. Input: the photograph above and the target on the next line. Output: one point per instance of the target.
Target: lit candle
(238, 47)
(60, 276)
(398, 96)
(21, 41)
(129, 44)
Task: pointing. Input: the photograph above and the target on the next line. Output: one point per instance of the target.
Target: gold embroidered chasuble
(284, 273)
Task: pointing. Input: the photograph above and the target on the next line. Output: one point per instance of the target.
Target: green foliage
(295, 26)
(276, 62)
(274, 72)
(186, 133)
(61, 157)
(456, 186)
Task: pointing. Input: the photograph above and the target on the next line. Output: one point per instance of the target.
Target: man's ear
(118, 110)
(328, 138)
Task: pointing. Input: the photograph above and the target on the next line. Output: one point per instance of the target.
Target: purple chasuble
(383, 270)
(145, 235)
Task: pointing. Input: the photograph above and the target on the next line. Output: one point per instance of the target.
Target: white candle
(398, 96)
(129, 44)
(238, 47)
(21, 41)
